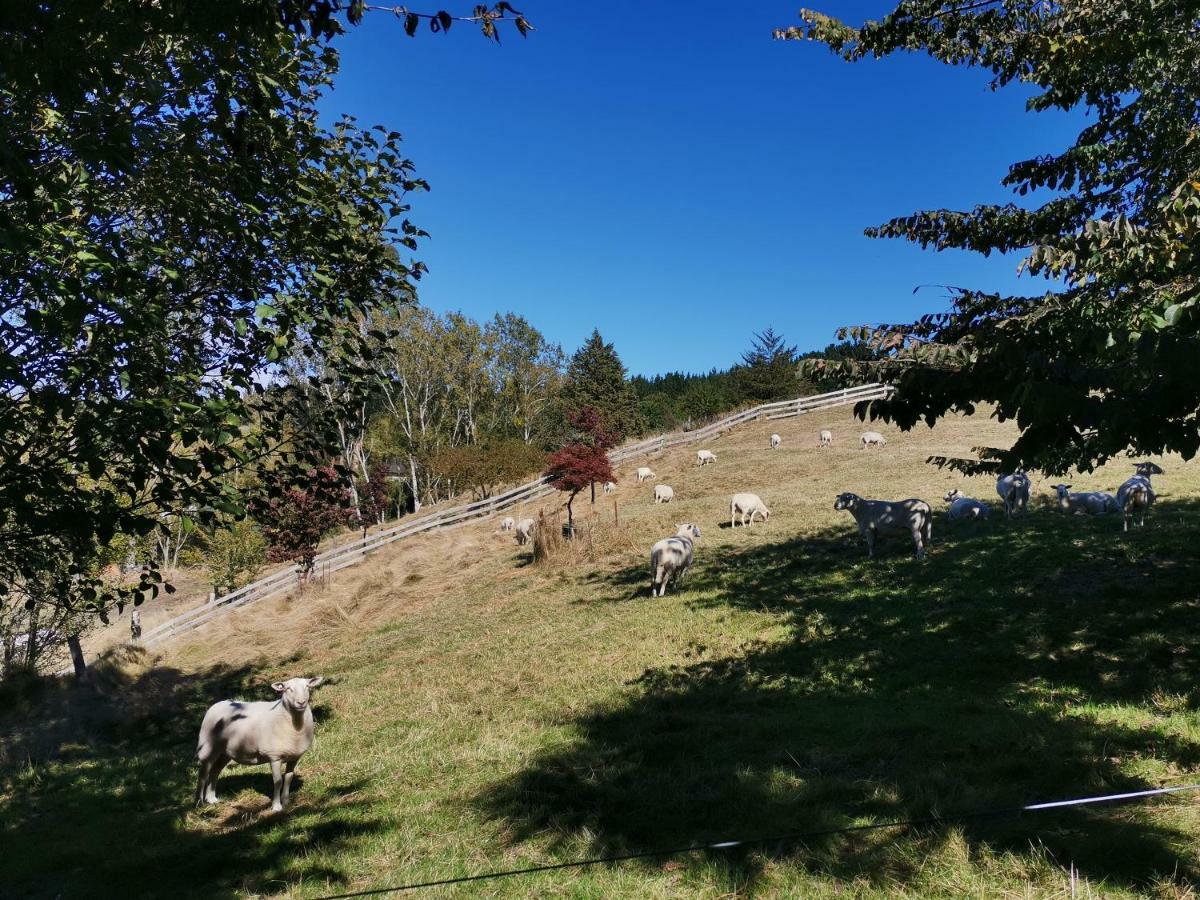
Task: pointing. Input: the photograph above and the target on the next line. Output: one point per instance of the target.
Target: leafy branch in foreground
(1100, 362)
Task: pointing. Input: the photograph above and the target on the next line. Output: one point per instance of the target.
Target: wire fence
(353, 552)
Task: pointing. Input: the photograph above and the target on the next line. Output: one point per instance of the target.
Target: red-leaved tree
(583, 461)
(372, 497)
(294, 517)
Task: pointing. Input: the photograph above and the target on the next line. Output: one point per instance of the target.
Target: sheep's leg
(917, 540)
(869, 535)
(202, 782)
(277, 782)
(217, 766)
(288, 772)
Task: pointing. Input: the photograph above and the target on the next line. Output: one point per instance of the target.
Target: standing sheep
(964, 507)
(644, 473)
(278, 732)
(704, 457)
(1136, 495)
(524, 531)
(776, 440)
(742, 506)
(670, 558)
(881, 518)
(663, 493)
(609, 487)
(1084, 503)
(508, 523)
(1014, 491)
(825, 439)
(872, 437)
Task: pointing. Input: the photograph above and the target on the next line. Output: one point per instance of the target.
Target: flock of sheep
(279, 732)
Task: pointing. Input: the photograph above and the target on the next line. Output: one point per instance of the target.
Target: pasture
(483, 712)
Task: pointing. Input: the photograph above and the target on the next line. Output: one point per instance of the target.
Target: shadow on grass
(119, 760)
(1021, 661)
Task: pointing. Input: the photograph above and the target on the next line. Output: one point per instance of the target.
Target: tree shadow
(97, 792)
(1020, 661)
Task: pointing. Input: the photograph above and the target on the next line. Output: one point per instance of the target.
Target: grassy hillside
(487, 713)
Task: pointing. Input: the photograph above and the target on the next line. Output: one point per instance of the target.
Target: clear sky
(670, 174)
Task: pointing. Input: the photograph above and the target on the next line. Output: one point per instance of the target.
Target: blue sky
(668, 173)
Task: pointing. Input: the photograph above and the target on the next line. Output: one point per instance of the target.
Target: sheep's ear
(279, 687)
(313, 682)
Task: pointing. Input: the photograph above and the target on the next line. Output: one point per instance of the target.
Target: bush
(483, 468)
(235, 556)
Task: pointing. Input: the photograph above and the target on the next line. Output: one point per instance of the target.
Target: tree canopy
(1099, 361)
(596, 378)
(768, 369)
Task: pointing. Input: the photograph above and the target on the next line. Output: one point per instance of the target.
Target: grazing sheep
(826, 438)
(508, 523)
(135, 625)
(872, 437)
(670, 558)
(609, 487)
(881, 518)
(742, 506)
(964, 507)
(1014, 491)
(524, 531)
(1136, 495)
(704, 457)
(663, 493)
(1085, 503)
(644, 473)
(776, 440)
(266, 731)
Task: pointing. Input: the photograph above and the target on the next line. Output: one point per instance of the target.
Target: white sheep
(1014, 491)
(278, 732)
(826, 438)
(742, 506)
(524, 531)
(1085, 503)
(776, 440)
(663, 493)
(644, 473)
(881, 518)
(1136, 495)
(704, 457)
(609, 487)
(670, 558)
(964, 507)
(508, 523)
(872, 437)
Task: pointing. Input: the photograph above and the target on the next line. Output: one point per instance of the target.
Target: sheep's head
(1147, 469)
(295, 691)
(1062, 489)
(952, 495)
(687, 529)
(846, 500)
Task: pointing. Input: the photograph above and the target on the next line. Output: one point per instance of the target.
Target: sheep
(743, 505)
(1014, 491)
(524, 531)
(825, 439)
(670, 558)
(609, 487)
(663, 493)
(135, 625)
(872, 437)
(704, 457)
(278, 732)
(964, 507)
(776, 440)
(508, 523)
(644, 473)
(878, 518)
(1085, 503)
(1136, 495)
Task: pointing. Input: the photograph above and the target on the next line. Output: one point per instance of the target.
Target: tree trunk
(77, 658)
(593, 493)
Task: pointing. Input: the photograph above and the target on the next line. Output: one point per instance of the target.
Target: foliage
(1101, 360)
(234, 555)
(294, 516)
(596, 378)
(768, 369)
(485, 467)
(584, 461)
(371, 496)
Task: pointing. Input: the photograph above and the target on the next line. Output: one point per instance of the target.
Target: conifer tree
(596, 378)
(768, 370)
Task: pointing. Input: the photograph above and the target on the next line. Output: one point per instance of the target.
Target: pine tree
(768, 370)
(596, 378)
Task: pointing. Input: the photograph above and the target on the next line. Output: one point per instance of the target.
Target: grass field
(486, 713)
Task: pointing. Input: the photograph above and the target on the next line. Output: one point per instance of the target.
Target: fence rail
(351, 552)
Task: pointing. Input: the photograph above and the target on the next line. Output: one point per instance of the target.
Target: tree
(484, 467)
(235, 554)
(575, 467)
(294, 516)
(1100, 361)
(768, 369)
(596, 378)
(530, 372)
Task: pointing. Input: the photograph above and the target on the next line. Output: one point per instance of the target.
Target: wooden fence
(352, 552)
